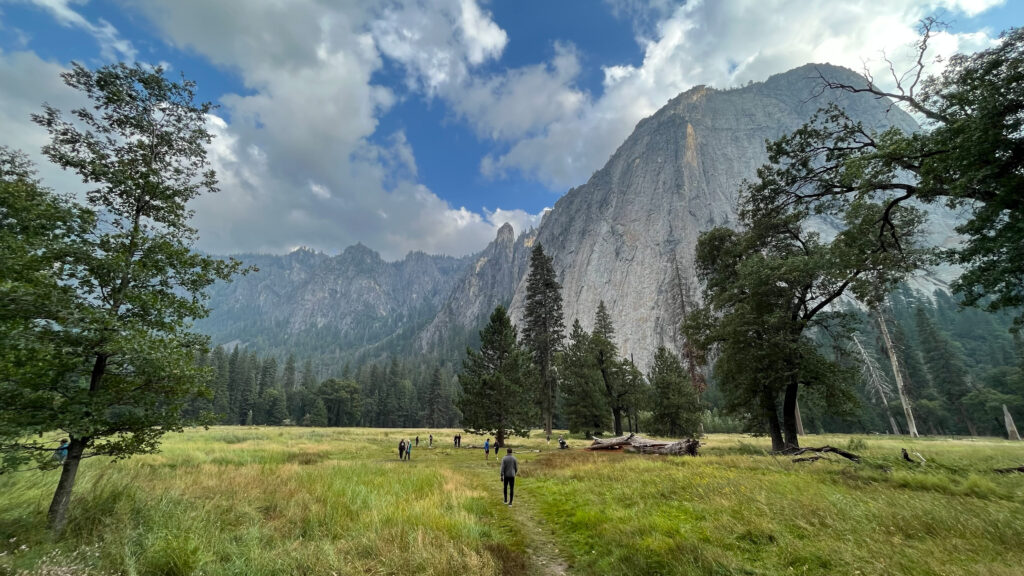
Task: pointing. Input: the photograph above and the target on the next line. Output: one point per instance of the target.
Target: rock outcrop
(619, 237)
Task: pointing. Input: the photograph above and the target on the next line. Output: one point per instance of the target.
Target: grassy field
(337, 501)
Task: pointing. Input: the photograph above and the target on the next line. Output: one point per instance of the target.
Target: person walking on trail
(408, 451)
(509, 469)
(401, 449)
(431, 444)
(487, 449)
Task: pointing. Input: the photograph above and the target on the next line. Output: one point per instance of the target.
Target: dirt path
(541, 542)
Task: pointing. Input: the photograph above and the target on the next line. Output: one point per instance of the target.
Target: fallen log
(616, 443)
(681, 448)
(822, 450)
(808, 459)
(1010, 470)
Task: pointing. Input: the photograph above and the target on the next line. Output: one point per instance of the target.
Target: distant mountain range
(625, 237)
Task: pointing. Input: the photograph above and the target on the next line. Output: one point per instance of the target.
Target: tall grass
(338, 501)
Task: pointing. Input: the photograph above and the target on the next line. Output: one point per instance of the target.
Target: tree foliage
(123, 364)
(498, 383)
(544, 328)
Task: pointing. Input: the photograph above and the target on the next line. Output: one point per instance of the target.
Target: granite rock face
(488, 281)
(316, 304)
(620, 237)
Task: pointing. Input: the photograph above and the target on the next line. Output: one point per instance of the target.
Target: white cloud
(723, 43)
(26, 82)
(112, 45)
(298, 161)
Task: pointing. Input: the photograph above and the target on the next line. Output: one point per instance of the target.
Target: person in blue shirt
(408, 451)
(62, 451)
(487, 449)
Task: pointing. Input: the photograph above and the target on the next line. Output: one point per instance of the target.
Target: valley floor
(338, 501)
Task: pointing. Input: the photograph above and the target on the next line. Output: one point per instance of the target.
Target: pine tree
(236, 384)
(290, 381)
(434, 409)
(317, 415)
(605, 354)
(268, 374)
(221, 391)
(583, 398)
(676, 407)
(544, 328)
(944, 361)
(498, 383)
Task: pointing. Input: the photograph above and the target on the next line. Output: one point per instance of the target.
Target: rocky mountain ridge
(626, 236)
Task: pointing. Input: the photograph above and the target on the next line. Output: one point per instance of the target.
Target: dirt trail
(541, 542)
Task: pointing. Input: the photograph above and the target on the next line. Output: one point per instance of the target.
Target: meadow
(259, 501)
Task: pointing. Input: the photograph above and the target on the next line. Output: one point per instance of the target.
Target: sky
(426, 125)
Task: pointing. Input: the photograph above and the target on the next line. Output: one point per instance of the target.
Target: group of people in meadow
(509, 465)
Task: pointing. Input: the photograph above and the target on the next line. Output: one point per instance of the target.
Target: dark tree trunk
(499, 439)
(617, 418)
(57, 517)
(772, 416)
(789, 414)
(970, 425)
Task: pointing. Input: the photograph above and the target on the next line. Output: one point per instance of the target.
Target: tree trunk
(895, 427)
(617, 419)
(57, 516)
(799, 421)
(772, 416)
(499, 439)
(911, 425)
(1011, 430)
(970, 425)
(789, 415)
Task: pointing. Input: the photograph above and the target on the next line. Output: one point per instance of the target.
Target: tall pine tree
(544, 328)
(498, 383)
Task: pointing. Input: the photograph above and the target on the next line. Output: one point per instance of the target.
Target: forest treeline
(248, 389)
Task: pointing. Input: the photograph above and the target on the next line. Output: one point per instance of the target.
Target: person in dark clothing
(431, 442)
(408, 451)
(509, 469)
(61, 453)
(417, 440)
(401, 449)
(458, 441)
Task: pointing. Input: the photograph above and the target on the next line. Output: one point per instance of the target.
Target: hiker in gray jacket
(509, 469)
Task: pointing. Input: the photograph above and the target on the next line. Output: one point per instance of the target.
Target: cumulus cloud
(299, 149)
(300, 160)
(112, 45)
(723, 43)
(26, 82)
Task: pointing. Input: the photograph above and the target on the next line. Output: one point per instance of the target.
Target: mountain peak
(506, 233)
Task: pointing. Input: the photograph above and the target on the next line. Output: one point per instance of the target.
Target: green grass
(337, 501)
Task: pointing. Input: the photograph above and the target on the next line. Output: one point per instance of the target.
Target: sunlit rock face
(621, 236)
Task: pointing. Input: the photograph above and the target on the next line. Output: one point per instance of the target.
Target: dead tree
(819, 451)
(911, 425)
(875, 380)
(1011, 430)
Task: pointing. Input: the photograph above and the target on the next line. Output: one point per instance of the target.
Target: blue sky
(409, 124)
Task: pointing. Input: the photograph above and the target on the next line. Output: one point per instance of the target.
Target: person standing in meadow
(408, 451)
(61, 453)
(431, 440)
(487, 449)
(417, 441)
(401, 449)
(509, 469)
